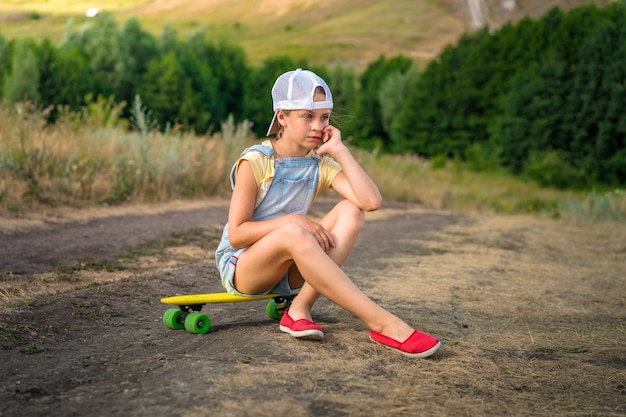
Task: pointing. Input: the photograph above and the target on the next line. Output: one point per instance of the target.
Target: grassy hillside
(348, 31)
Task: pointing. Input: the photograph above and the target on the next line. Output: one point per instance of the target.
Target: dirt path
(531, 312)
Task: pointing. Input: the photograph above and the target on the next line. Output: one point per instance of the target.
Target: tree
(563, 121)
(22, 83)
(5, 63)
(532, 124)
(138, 48)
(392, 95)
(344, 84)
(230, 68)
(366, 127)
(64, 77)
(166, 91)
(109, 61)
(168, 42)
(204, 92)
(598, 98)
(436, 110)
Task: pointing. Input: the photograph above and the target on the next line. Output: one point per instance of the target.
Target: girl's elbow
(234, 241)
(373, 204)
(236, 245)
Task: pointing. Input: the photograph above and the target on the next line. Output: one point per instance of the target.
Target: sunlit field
(346, 31)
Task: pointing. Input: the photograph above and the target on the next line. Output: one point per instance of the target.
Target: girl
(269, 245)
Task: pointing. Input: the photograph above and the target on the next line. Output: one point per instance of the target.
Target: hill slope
(349, 31)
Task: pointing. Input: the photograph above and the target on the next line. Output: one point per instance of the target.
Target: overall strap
(263, 187)
(264, 150)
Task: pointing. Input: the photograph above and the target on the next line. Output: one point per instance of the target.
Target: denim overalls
(292, 190)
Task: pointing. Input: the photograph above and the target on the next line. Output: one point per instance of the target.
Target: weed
(9, 337)
(607, 206)
(439, 251)
(90, 264)
(14, 207)
(141, 117)
(439, 162)
(31, 349)
(147, 248)
(536, 205)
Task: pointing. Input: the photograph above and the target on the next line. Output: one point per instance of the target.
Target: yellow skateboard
(188, 316)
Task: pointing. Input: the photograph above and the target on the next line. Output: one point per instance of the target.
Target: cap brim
(274, 126)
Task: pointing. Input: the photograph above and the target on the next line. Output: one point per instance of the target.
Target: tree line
(544, 98)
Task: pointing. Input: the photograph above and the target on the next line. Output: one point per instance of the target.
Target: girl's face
(306, 127)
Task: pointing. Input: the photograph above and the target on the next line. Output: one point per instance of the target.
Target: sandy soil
(531, 311)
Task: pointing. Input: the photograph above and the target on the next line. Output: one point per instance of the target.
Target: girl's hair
(318, 90)
(281, 130)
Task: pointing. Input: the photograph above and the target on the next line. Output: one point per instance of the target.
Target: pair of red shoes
(418, 345)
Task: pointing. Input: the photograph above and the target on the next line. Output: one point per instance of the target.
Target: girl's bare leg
(271, 256)
(344, 222)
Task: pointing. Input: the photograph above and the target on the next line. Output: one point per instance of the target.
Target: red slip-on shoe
(418, 345)
(302, 329)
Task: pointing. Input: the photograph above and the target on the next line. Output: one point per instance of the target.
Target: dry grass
(531, 312)
(50, 284)
(91, 159)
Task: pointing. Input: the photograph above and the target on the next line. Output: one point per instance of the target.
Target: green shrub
(551, 169)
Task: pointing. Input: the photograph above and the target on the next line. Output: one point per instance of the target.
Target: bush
(551, 169)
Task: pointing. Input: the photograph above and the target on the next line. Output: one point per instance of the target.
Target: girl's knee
(292, 233)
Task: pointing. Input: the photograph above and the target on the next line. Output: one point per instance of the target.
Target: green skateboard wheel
(197, 323)
(273, 310)
(172, 318)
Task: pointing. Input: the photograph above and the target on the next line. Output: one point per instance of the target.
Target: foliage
(431, 120)
(546, 97)
(64, 78)
(392, 94)
(367, 126)
(22, 83)
(343, 83)
(166, 90)
(542, 98)
(565, 117)
(5, 64)
(108, 58)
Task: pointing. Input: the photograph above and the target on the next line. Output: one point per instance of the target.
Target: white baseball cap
(294, 90)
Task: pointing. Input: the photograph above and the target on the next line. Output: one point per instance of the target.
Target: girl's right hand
(323, 236)
(331, 142)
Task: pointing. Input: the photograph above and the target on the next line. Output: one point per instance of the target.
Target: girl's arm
(243, 232)
(352, 183)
